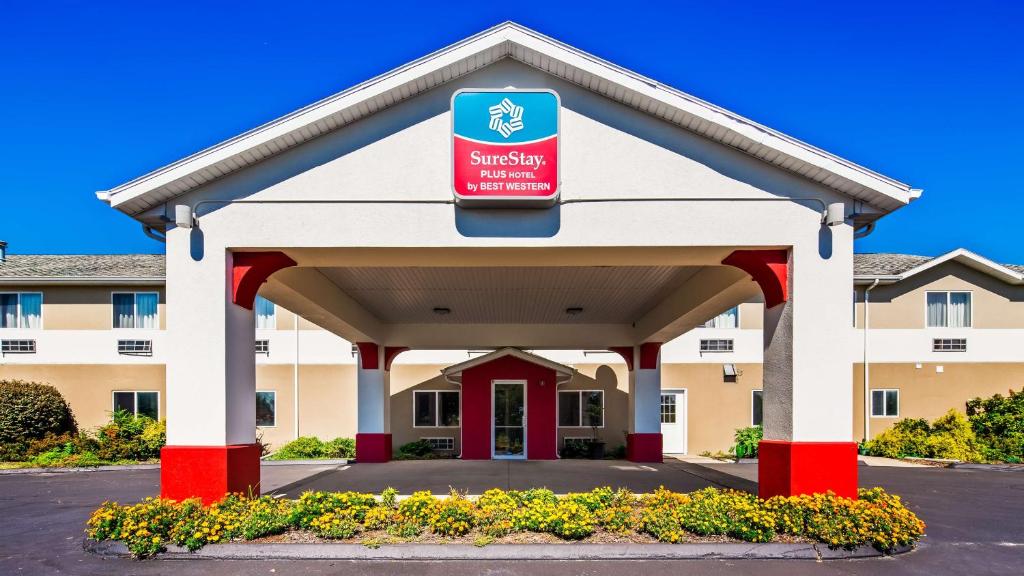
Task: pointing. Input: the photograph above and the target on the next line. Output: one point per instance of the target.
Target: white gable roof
(509, 40)
(454, 372)
(960, 255)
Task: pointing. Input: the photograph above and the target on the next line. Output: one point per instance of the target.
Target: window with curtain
(435, 408)
(727, 319)
(21, 310)
(578, 408)
(265, 314)
(885, 403)
(756, 407)
(266, 408)
(949, 309)
(136, 310)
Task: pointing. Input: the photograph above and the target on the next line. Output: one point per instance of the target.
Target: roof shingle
(90, 266)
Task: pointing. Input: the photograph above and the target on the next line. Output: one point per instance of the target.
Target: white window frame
(884, 392)
(437, 408)
(701, 341)
(274, 425)
(752, 394)
(114, 393)
(947, 293)
(446, 438)
(737, 327)
(18, 315)
(135, 309)
(579, 400)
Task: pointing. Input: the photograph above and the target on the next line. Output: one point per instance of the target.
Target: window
(21, 310)
(263, 347)
(135, 347)
(728, 319)
(17, 346)
(135, 310)
(441, 444)
(138, 403)
(435, 408)
(716, 345)
(756, 407)
(949, 309)
(949, 345)
(266, 408)
(668, 408)
(885, 403)
(577, 408)
(266, 319)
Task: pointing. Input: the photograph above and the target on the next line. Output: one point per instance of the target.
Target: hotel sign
(505, 147)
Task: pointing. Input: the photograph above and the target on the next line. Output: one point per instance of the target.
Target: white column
(373, 395)
(211, 390)
(645, 395)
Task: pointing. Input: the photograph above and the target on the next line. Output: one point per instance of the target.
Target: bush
(998, 423)
(416, 449)
(949, 437)
(747, 440)
(876, 518)
(29, 410)
(130, 437)
(312, 448)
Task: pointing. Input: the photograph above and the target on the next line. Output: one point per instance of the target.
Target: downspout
(867, 375)
(295, 374)
(148, 231)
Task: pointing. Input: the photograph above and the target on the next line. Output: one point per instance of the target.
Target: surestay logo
(505, 147)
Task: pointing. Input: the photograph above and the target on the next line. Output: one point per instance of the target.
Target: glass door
(509, 432)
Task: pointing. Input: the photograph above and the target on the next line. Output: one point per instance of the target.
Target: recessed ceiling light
(442, 311)
(574, 310)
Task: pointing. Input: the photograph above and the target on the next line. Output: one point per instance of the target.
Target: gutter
(81, 281)
(867, 376)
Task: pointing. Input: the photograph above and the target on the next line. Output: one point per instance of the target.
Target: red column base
(794, 468)
(209, 472)
(643, 447)
(373, 448)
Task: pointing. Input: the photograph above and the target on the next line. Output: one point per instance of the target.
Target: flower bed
(876, 518)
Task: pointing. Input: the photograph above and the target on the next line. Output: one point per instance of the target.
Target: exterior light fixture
(442, 311)
(574, 310)
(835, 214)
(183, 216)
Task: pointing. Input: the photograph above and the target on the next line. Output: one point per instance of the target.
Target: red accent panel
(649, 355)
(499, 180)
(541, 397)
(627, 354)
(390, 353)
(209, 472)
(249, 270)
(793, 468)
(368, 355)
(373, 448)
(769, 268)
(644, 447)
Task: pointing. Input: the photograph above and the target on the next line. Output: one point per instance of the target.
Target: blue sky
(930, 93)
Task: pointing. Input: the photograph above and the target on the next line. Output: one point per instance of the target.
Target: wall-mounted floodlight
(835, 214)
(183, 216)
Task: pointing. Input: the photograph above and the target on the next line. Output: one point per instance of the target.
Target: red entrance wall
(541, 394)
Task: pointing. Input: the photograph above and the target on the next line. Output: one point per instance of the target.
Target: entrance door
(673, 421)
(508, 435)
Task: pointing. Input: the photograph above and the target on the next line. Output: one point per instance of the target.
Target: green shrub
(312, 448)
(747, 440)
(130, 437)
(29, 410)
(949, 437)
(416, 449)
(998, 423)
(312, 505)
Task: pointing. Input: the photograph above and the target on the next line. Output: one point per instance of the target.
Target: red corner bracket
(249, 270)
(627, 354)
(368, 355)
(649, 355)
(390, 353)
(769, 268)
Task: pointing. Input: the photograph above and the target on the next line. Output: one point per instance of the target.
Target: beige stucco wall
(89, 388)
(405, 379)
(995, 304)
(925, 393)
(83, 307)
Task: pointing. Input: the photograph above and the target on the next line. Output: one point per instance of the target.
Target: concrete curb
(330, 462)
(115, 468)
(433, 552)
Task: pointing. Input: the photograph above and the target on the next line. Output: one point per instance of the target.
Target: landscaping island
(537, 516)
